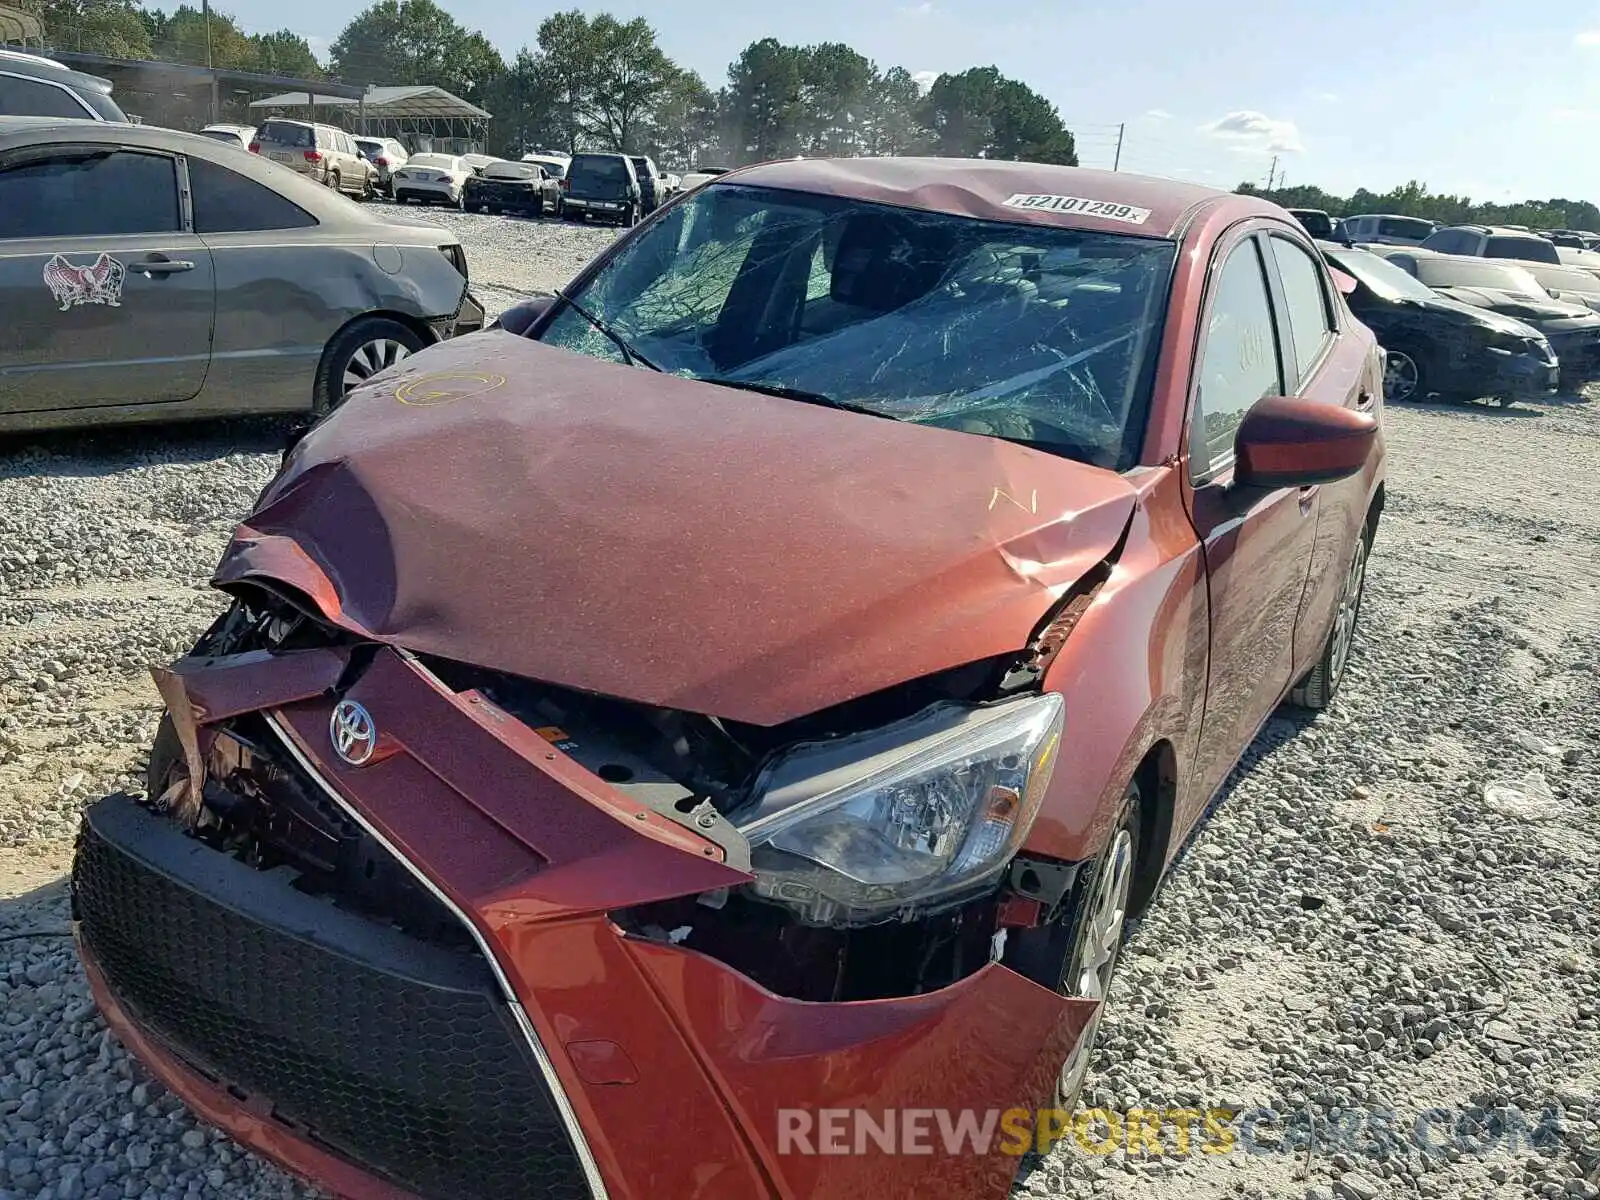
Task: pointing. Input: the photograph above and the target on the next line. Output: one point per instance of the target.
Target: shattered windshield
(1037, 335)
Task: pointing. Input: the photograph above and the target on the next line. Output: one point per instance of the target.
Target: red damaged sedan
(704, 738)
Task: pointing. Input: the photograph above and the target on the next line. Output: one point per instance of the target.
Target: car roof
(48, 68)
(981, 188)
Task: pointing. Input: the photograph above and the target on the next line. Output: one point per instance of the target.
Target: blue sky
(1480, 96)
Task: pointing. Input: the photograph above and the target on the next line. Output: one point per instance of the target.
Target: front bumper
(628, 1042)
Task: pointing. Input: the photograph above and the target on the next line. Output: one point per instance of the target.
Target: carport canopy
(19, 26)
(418, 103)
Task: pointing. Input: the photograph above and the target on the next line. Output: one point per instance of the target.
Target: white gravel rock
(1355, 928)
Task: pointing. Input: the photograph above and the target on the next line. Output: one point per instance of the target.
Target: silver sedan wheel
(1102, 938)
(1344, 621)
(1400, 376)
(371, 358)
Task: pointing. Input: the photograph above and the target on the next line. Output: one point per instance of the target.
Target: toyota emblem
(352, 732)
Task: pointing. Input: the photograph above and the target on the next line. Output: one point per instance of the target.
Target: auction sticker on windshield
(1078, 204)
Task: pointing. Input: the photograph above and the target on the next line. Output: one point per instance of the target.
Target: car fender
(1133, 673)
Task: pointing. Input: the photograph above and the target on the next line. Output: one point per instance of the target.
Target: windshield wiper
(629, 354)
(800, 394)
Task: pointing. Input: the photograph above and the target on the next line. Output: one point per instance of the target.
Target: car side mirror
(523, 315)
(1288, 441)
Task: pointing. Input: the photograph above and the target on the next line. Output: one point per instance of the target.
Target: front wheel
(1317, 689)
(1404, 376)
(1099, 917)
(362, 349)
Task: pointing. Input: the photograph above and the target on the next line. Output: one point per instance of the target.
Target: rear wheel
(362, 349)
(334, 181)
(1099, 916)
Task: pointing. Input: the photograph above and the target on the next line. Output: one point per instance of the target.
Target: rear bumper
(420, 190)
(631, 1041)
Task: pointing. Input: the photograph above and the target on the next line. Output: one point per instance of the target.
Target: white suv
(325, 152)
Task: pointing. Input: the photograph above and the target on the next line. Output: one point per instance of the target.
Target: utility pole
(205, 9)
(1117, 160)
(1272, 172)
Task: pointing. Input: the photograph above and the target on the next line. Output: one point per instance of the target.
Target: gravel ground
(1368, 923)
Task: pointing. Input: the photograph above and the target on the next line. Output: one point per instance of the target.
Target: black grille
(397, 1055)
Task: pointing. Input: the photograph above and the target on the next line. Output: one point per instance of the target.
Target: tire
(460, 201)
(361, 349)
(334, 181)
(1105, 890)
(630, 218)
(1317, 689)
(1405, 376)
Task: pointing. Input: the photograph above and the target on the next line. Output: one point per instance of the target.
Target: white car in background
(432, 179)
(232, 135)
(477, 162)
(695, 179)
(386, 154)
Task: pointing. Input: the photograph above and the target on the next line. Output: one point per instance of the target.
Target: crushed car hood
(536, 511)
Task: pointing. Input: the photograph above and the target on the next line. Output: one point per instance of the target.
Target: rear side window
(32, 98)
(1527, 249)
(1404, 227)
(299, 136)
(1310, 319)
(1238, 360)
(227, 202)
(99, 194)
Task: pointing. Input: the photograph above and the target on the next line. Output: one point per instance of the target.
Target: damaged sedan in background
(765, 682)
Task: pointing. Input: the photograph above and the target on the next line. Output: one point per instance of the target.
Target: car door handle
(1366, 400)
(1308, 496)
(163, 266)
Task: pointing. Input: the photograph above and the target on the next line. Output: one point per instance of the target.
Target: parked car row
(1460, 327)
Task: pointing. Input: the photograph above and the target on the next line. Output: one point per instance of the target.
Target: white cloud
(1159, 114)
(924, 79)
(1574, 114)
(319, 47)
(1328, 97)
(917, 10)
(1588, 37)
(1250, 130)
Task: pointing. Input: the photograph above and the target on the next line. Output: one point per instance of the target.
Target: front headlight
(1509, 343)
(895, 822)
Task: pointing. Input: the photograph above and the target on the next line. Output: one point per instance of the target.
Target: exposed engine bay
(260, 806)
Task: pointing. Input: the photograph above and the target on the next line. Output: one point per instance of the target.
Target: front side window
(1035, 335)
(1238, 359)
(90, 193)
(1306, 300)
(33, 98)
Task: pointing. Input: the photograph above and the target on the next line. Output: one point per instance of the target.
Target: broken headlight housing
(905, 819)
